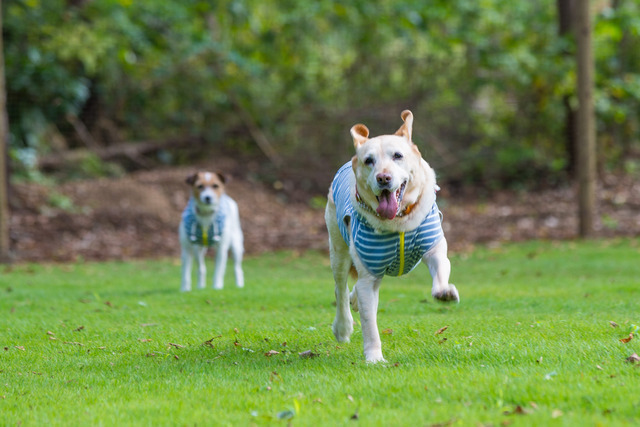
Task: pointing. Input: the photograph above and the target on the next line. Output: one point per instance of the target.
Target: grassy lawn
(531, 343)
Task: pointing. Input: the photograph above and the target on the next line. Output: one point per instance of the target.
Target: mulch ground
(137, 216)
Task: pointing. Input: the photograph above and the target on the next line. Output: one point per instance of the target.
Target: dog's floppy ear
(360, 134)
(407, 126)
(222, 177)
(191, 179)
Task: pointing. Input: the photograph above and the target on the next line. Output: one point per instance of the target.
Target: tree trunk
(4, 167)
(586, 166)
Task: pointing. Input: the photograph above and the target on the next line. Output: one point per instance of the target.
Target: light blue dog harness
(193, 228)
(383, 253)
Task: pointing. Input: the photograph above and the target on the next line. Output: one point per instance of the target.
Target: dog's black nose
(383, 179)
(207, 199)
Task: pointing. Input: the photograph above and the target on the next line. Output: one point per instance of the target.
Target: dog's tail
(353, 272)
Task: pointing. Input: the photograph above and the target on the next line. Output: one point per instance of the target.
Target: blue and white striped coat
(194, 230)
(383, 253)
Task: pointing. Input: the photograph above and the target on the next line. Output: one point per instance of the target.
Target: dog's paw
(353, 300)
(375, 357)
(447, 295)
(342, 330)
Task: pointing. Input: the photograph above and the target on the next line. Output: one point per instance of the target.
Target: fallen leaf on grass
(308, 354)
(73, 343)
(442, 341)
(613, 324)
(146, 325)
(209, 342)
(355, 416)
(271, 353)
(633, 358)
(518, 410)
(145, 339)
(388, 331)
(556, 413)
(175, 345)
(78, 329)
(108, 304)
(50, 333)
(441, 330)
(626, 340)
(150, 355)
(599, 367)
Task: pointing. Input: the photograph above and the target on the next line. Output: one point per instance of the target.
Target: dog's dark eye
(369, 161)
(200, 187)
(397, 156)
(215, 186)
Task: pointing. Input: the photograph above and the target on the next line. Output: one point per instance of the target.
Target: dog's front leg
(222, 254)
(199, 253)
(440, 269)
(367, 288)
(187, 257)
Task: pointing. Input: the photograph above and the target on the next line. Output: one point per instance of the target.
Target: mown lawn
(531, 343)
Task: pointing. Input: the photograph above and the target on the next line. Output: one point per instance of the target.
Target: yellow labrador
(383, 219)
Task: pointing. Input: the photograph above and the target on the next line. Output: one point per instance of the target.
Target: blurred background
(111, 103)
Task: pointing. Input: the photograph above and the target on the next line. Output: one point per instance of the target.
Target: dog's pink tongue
(387, 204)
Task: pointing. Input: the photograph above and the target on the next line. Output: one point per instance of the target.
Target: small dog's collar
(369, 209)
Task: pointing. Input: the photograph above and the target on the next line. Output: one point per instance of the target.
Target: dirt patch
(137, 216)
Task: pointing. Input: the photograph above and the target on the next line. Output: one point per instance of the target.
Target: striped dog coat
(193, 228)
(383, 253)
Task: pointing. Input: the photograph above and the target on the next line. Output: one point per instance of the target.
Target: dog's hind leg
(341, 264)
(237, 251)
(440, 269)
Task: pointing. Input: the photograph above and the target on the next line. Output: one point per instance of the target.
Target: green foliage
(486, 79)
(117, 343)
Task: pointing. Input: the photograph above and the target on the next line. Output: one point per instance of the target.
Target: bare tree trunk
(586, 166)
(4, 169)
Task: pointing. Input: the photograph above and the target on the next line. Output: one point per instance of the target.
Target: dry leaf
(626, 340)
(557, 413)
(442, 341)
(73, 343)
(271, 353)
(210, 341)
(633, 358)
(613, 324)
(145, 339)
(355, 416)
(350, 397)
(308, 354)
(539, 360)
(151, 355)
(441, 330)
(78, 329)
(145, 325)
(388, 331)
(176, 345)
(19, 347)
(50, 333)
(599, 367)
(108, 303)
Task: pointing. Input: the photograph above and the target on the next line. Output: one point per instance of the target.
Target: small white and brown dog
(383, 219)
(210, 219)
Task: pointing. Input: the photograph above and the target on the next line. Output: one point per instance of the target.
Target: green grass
(89, 344)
